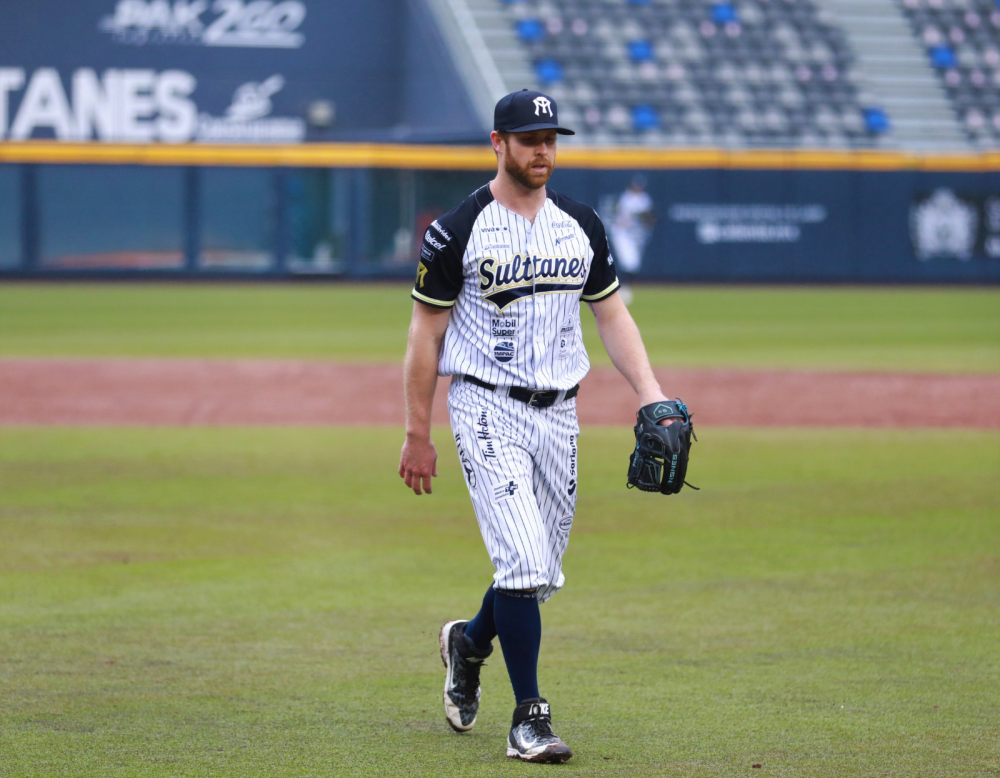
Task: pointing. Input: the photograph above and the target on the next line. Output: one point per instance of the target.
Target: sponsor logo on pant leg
(484, 434)
(504, 491)
(463, 457)
(572, 465)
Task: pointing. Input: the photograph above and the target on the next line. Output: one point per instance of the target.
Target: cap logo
(542, 105)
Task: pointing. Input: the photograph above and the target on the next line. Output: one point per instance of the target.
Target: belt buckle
(538, 398)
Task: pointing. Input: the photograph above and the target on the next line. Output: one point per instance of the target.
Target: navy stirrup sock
(519, 626)
(482, 629)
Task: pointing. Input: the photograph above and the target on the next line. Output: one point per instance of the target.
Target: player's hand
(418, 463)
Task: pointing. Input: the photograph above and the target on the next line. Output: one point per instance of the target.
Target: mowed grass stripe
(955, 329)
(265, 602)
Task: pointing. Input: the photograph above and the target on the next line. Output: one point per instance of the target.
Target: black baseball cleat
(462, 662)
(531, 737)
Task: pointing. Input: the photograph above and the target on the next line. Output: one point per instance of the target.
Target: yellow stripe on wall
(372, 155)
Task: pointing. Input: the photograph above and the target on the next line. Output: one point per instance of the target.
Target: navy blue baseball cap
(525, 111)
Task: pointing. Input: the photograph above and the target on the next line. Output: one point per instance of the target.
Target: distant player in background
(497, 307)
(631, 226)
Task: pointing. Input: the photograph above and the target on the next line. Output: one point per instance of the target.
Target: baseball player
(630, 231)
(497, 308)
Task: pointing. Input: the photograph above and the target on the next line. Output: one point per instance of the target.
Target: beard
(525, 176)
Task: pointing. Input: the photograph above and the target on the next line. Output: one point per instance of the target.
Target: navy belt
(531, 398)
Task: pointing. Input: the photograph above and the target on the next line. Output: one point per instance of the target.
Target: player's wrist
(651, 396)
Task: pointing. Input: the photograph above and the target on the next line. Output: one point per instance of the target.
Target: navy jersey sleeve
(602, 280)
(439, 272)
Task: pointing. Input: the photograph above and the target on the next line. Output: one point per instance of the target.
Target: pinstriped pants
(520, 465)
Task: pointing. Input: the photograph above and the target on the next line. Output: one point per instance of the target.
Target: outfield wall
(359, 210)
(150, 138)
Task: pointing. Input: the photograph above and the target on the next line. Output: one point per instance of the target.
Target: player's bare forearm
(420, 377)
(418, 459)
(624, 345)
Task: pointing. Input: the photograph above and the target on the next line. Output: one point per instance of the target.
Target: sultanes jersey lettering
(504, 283)
(520, 286)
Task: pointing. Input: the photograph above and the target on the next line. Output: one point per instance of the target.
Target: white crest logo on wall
(991, 218)
(944, 226)
(234, 23)
(247, 119)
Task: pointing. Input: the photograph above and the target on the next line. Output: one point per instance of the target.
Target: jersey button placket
(529, 255)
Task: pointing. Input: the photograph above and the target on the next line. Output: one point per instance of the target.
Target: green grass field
(265, 602)
(841, 328)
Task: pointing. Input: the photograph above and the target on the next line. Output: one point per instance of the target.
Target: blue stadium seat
(640, 51)
(645, 117)
(943, 57)
(876, 120)
(724, 13)
(549, 71)
(530, 30)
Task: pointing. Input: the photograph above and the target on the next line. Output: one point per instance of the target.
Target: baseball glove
(660, 460)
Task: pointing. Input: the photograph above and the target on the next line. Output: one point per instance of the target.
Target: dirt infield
(267, 392)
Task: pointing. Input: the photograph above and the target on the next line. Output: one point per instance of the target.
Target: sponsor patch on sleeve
(436, 225)
(432, 241)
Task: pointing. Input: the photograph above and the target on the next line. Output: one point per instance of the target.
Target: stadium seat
(640, 51)
(645, 117)
(943, 56)
(752, 72)
(962, 40)
(530, 30)
(723, 13)
(549, 71)
(876, 120)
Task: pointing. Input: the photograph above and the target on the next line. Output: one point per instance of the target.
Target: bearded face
(529, 174)
(529, 157)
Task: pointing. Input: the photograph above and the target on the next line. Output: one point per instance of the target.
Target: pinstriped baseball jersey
(516, 288)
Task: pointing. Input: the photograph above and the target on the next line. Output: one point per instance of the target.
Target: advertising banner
(178, 71)
(799, 225)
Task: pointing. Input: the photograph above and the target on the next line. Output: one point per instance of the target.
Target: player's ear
(498, 139)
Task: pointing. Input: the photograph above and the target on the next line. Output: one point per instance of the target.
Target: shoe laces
(541, 727)
(472, 669)
(469, 681)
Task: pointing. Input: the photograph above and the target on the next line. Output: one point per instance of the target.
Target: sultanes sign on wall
(137, 106)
